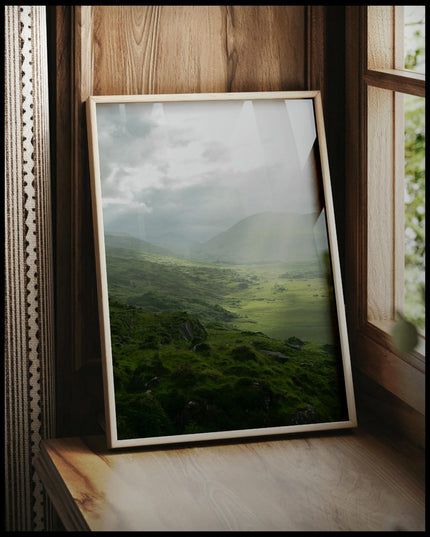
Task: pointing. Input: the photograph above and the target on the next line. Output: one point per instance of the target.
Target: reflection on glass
(221, 295)
(415, 210)
(414, 38)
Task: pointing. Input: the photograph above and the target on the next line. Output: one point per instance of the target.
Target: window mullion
(399, 44)
(399, 201)
(391, 79)
(380, 203)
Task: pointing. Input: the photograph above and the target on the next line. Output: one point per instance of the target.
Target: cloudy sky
(191, 170)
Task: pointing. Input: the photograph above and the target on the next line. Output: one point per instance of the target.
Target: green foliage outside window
(415, 177)
(415, 210)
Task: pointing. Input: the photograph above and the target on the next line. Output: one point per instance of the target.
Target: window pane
(414, 38)
(415, 210)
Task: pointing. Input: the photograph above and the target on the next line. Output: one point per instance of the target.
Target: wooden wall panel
(108, 50)
(188, 49)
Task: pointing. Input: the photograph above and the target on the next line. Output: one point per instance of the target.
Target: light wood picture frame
(220, 294)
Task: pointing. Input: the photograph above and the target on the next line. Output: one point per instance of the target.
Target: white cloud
(201, 166)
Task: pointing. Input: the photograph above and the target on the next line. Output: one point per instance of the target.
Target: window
(396, 166)
(414, 38)
(385, 186)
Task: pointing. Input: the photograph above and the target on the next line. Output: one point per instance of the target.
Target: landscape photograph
(220, 283)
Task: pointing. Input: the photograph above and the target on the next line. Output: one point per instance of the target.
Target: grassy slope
(279, 299)
(204, 347)
(175, 376)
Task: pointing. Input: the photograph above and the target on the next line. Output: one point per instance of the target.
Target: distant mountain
(262, 238)
(124, 240)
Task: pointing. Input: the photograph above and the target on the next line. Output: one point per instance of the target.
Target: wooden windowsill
(347, 481)
(415, 358)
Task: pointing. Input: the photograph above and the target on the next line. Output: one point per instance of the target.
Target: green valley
(280, 299)
(200, 346)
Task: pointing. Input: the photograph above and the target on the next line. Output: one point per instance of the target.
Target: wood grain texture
(86, 340)
(192, 49)
(331, 66)
(381, 42)
(396, 375)
(380, 204)
(59, 62)
(355, 166)
(316, 49)
(380, 412)
(327, 483)
(405, 81)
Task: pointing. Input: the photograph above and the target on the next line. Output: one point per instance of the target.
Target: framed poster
(221, 303)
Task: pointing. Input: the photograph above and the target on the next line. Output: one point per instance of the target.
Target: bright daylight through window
(414, 184)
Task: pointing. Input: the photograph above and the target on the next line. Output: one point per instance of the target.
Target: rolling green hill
(280, 299)
(124, 240)
(164, 284)
(174, 376)
(263, 238)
